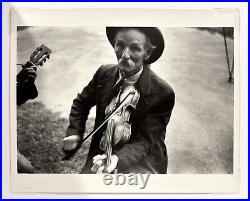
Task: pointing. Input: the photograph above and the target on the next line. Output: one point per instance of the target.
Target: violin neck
(108, 153)
(108, 147)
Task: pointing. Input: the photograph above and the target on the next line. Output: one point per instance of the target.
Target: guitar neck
(27, 65)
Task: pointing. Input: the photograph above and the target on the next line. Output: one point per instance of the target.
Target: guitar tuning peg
(48, 56)
(41, 64)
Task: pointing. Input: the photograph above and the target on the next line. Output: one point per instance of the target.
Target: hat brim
(153, 33)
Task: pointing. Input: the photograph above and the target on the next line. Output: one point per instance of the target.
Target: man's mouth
(124, 63)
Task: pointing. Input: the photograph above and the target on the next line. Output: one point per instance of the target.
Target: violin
(118, 130)
(125, 101)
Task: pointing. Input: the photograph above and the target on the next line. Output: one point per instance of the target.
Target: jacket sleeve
(81, 107)
(146, 134)
(25, 91)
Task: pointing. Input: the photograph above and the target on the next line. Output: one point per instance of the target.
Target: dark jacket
(146, 149)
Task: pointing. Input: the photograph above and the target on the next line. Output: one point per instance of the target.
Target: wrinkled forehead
(131, 34)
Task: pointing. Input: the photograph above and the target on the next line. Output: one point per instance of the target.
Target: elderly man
(138, 145)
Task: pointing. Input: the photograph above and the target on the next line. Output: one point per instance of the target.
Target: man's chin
(128, 70)
(124, 68)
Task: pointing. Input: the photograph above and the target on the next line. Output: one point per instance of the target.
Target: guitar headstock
(40, 55)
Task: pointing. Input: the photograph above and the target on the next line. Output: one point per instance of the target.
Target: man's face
(131, 51)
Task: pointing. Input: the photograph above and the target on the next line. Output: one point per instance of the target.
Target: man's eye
(136, 48)
(119, 45)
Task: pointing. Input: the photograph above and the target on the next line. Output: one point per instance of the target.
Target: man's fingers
(71, 142)
(31, 76)
(30, 73)
(100, 170)
(96, 166)
(70, 145)
(98, 163)
(30, 68)
(72, 138)
(111, 167)
(96, 157)
(99, 157)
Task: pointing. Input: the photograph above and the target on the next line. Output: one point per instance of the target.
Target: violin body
(122, 126)
(118, 130)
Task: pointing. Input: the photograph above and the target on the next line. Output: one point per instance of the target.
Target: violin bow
(119, 106)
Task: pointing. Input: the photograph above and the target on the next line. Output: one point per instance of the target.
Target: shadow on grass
(39, 138)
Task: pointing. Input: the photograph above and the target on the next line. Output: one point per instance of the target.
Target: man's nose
(126, 53)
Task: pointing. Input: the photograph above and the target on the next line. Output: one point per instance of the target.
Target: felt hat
(153, 33)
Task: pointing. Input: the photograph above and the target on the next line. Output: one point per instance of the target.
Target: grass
(40, 135)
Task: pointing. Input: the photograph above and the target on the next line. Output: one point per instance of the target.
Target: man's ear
(149, 52)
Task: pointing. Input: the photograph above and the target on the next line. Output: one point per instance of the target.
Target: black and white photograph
(178, 118)
(132, 99)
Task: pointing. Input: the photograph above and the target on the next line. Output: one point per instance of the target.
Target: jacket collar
(143, 82)
(143, 85)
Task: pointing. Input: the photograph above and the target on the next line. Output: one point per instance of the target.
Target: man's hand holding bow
(99, 164)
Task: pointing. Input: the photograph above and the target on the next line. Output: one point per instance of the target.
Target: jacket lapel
(143, 85)
(106, 86)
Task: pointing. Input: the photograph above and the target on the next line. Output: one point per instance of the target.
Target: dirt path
(200, 133)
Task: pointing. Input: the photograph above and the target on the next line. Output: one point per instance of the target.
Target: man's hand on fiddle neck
(99, 164)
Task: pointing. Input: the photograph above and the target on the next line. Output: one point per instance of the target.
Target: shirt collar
(130, 80)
